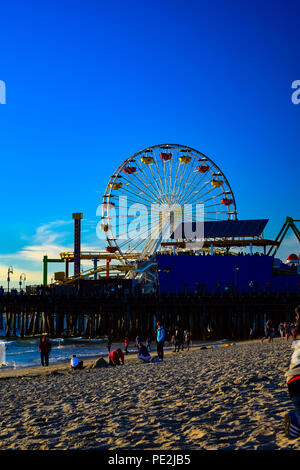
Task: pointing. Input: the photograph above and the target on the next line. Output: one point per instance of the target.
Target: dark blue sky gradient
(91, 82)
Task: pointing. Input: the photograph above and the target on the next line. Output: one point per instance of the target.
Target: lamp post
(9, 271)
(22, 279)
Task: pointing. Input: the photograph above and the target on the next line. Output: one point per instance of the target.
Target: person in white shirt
(75, 363)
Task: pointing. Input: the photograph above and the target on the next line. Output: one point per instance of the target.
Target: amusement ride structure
(170, 177)
(149, 202)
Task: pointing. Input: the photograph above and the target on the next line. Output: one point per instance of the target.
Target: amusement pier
(176, 251)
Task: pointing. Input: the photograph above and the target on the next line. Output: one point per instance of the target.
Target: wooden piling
(226, 316)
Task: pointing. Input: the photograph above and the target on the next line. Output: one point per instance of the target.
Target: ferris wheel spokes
(156, 182)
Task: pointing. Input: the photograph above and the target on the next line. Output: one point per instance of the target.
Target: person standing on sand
(281, 330)
(292, 329)
(268, 331)
(188, 339)
(178, 340)
(44, 348)
(287, 330)
(126, 344)
(160, 338)
(296, 323)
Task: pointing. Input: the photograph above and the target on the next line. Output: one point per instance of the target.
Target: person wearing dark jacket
(109, 341)
(179, 339)
(45, 348)
(143, 353)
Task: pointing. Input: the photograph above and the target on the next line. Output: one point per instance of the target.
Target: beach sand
(225, 398)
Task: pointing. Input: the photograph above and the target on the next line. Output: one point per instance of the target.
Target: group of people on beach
(45, 349)
(181, 337)
(116, 357)
(286, 330)
(289, 329)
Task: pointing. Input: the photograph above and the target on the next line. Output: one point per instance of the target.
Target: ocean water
(21, 353)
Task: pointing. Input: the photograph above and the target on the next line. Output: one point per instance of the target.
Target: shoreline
(63, 367)
(60, 355)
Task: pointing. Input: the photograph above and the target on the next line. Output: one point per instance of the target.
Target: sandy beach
(225, 398)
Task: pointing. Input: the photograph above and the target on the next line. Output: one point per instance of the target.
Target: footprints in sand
(225, 398)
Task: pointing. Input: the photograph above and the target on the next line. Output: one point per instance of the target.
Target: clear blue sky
(91, 82)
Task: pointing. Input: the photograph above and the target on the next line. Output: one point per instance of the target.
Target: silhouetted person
(160, 339)
(45, 348)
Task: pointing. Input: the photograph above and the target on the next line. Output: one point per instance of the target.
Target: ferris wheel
(168, 176)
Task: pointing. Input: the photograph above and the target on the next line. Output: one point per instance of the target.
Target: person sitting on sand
(143, 353)
(292, 419)
(115, 356)
(75, 363)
